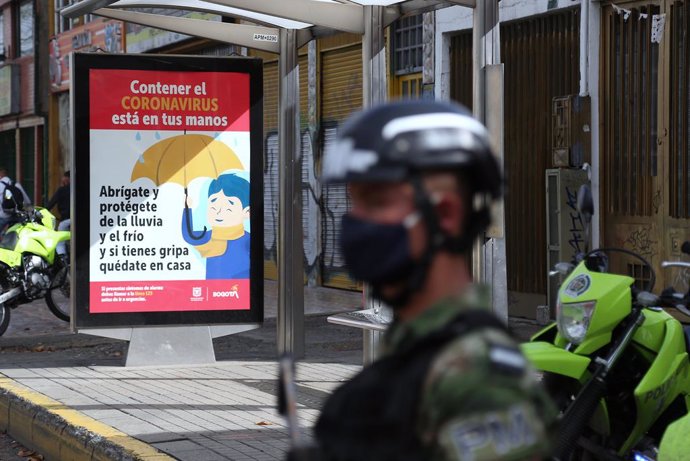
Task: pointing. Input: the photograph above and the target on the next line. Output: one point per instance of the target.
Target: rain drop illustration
(141, 158)
(158, 135)
(138, 136)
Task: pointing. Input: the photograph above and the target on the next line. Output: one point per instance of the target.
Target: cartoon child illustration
(226, 246)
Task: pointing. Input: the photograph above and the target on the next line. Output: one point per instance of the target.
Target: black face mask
(376, 253)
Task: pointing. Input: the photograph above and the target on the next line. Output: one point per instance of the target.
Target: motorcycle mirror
(585, 204)
(561, 268)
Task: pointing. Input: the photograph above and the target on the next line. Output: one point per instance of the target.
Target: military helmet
(395, 141)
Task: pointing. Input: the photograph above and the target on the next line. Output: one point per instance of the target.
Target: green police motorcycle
(615, 362)
(675, 444)
(30, 268)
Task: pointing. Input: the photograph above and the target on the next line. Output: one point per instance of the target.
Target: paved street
(35, 336)
(11, 450)
(34, 319)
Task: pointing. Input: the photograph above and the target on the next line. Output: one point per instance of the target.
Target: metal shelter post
(374, 57)
(375, 90)
(290, 245)
(489, 256)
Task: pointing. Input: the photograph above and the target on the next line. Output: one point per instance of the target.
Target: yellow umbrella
(180, 159)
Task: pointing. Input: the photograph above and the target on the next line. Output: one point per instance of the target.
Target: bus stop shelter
(284, 26)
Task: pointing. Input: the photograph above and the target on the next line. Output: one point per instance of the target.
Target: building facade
(587, 83)
(627, 62)
(23, 94)
(86, 34)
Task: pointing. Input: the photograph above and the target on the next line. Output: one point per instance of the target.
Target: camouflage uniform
(480, 400)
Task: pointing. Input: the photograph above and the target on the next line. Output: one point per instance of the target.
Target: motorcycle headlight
(573, 319)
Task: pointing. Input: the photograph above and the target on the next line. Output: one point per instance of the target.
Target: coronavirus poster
(168, 187)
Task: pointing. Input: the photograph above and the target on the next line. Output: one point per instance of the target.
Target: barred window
(63, 24)
(407, 45)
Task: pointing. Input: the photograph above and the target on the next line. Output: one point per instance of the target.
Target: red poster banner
(160, 100)
(169, 296)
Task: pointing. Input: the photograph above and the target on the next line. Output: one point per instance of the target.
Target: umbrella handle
(190, 231)
(188, 219)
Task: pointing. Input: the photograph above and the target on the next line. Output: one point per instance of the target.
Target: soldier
(451, 384)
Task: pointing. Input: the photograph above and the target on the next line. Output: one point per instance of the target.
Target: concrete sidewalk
(205, 413)
(69, 410)
(96, 409)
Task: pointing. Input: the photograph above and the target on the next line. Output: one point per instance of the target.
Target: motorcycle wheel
(562, 390)
(4, 318)
(58, 297)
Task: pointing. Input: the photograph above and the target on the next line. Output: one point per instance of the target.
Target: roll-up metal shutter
(271, 97)
(532, 80)
(341, 82)
(271, 159)
(336, 203)
(341, 95)
(310, 210)
(540, 57)
(303, 90)
(271, 170)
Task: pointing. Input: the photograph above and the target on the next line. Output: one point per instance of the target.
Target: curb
(61, 433)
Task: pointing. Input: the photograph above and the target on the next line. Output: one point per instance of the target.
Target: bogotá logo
(234, 292)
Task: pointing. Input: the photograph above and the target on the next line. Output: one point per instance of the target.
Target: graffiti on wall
(271, 197)
(310, 208)
(640, 241)
(335, 205)
(576, 230)
(310, 203)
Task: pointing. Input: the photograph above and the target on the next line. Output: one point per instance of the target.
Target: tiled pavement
(221, 411)
(224, 411)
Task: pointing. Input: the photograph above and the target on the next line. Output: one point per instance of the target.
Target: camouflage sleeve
(481, 401)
